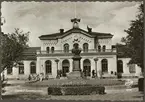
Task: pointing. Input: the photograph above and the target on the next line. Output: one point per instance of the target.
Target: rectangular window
(132, 68)
(21, 70)
(9, 70)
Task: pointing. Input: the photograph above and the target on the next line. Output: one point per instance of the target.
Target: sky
(41, 18)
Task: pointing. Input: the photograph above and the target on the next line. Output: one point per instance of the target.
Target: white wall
(106, 41)
(126, 68)
(15, 71)
(58, 44)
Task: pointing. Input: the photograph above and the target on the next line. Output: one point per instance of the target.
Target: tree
(134, 39)
(13, 46)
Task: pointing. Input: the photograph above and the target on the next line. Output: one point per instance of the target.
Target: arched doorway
(87, 67)
(65, 67)
(119, 66)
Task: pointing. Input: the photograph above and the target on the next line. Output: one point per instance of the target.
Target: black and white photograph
(72, 50)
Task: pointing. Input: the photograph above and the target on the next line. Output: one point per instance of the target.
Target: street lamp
(57, 67)
(96, 59)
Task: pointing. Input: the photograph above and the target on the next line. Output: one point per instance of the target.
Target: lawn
(51, 82)
(28, 92)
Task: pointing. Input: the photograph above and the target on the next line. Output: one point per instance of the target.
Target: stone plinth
(76, 73)
(76, 63)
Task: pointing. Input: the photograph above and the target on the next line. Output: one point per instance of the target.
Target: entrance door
(87, 68)
(119, 68)
(65, 67)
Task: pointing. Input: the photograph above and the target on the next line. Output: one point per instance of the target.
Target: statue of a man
(76, 50)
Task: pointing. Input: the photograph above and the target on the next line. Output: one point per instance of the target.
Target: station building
(55, 54)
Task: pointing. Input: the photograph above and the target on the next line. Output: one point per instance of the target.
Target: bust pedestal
(76, 73)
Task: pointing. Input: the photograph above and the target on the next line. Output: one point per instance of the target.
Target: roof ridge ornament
(75, 22)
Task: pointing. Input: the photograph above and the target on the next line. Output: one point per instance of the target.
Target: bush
(76, 90)
(54, 91)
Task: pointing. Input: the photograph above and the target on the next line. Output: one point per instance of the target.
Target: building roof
(30, 53)
(74, 30)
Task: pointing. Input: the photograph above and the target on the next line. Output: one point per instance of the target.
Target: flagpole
(75, 10)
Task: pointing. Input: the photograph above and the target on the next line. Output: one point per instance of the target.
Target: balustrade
(68, 52)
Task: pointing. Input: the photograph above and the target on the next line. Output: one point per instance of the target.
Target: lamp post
(57, 67)
(96, 59)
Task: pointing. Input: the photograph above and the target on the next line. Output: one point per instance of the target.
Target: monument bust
(76, 50)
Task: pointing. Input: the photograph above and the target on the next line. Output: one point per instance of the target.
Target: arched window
(48, 67)
(99, 48)
(104, 48)
(52, 49)
(65, 67)
(119, 66)
(21, 68)
(87, 67)
(66, 48)
(32, 67)
(85, 47)
(104, 65)
(47, 49)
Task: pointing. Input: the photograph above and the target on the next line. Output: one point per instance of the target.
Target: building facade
(55, 54)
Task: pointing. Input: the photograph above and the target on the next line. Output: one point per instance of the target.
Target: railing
(88, 51)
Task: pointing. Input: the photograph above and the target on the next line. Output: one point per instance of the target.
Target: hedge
(76, 90)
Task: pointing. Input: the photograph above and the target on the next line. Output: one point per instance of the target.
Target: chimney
(61, 31)
(89, 29)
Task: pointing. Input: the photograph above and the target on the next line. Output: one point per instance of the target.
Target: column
(54, 68)
(71, 65)
(96, 59)
(81, 64)
(60, 64)
(38, 66)
(92, 65)
(57, 61)
(99, 69)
